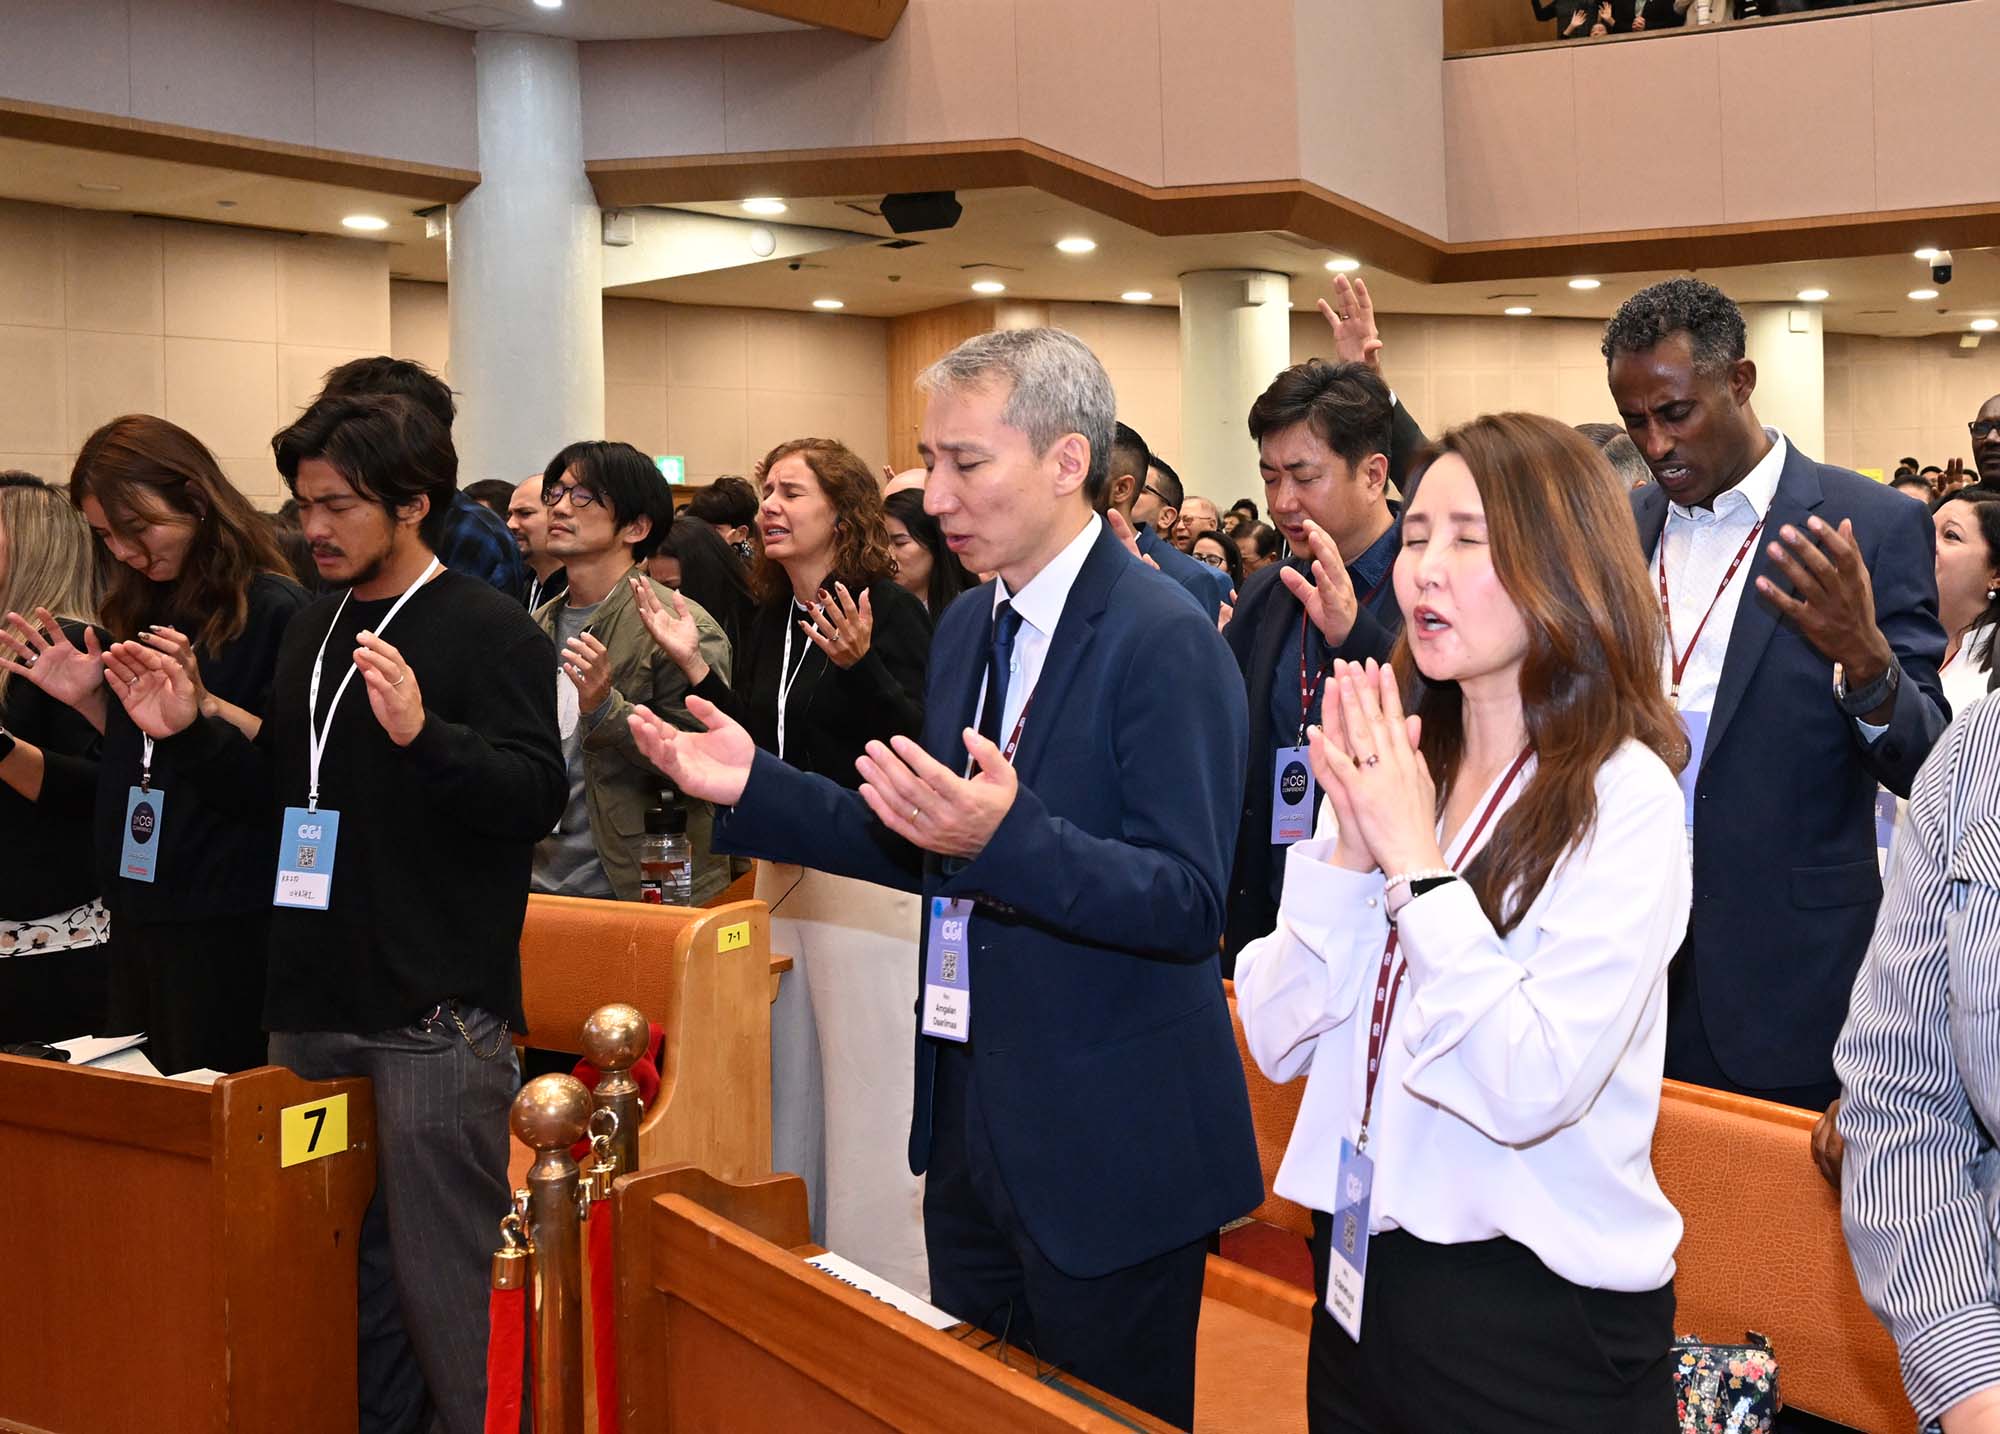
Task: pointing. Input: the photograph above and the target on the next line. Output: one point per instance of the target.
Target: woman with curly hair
(834, 658)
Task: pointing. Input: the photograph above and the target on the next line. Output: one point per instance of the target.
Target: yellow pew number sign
(312, 1131)
(733, 938)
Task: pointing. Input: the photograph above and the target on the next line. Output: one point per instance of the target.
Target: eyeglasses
(1214, 560)
(1980, 427)
(579, 496)
(1149, 488)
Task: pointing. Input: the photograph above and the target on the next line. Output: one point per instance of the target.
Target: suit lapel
(1797, 495)
(1649, 510)
(959, 692)
(1075, 631)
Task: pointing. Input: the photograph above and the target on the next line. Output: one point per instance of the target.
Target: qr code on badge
(308, 858)
(948, 968)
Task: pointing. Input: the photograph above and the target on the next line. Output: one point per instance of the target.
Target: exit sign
(672, 467)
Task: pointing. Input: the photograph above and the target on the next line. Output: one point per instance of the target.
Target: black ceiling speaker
(934, 209)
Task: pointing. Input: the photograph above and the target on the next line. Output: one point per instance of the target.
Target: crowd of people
(1506, 774)
(1586, 19)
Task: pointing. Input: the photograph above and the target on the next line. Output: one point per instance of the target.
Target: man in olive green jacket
(605, 501)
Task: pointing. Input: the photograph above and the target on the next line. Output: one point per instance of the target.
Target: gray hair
(1627, 461)
(1057, 387)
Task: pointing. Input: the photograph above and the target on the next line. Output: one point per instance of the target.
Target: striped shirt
(1919, 1062)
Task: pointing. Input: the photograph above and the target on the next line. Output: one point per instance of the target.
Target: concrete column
(526, 255)
(1787, 343)
(1236, 334)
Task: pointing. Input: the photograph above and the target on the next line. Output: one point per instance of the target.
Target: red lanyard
(1681, 659)
(1310, 687)
(1389, 980)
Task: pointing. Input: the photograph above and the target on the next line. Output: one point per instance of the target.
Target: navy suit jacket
(1100, 1038)
(1785, 882)
(1208, 586)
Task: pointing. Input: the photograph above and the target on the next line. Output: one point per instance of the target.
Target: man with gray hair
(1080, 1106)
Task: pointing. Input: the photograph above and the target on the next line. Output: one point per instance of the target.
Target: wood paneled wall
(916, 341)
(1482, 24)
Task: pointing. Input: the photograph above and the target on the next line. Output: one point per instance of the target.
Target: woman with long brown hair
(834, 658)
(195, 573)
(53, 927)
(1471, 962)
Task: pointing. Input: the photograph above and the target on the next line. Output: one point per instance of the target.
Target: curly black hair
(1709, 317)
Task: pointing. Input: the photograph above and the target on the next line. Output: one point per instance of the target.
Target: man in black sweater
(410, 810)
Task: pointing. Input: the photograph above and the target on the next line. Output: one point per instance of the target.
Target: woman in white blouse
(1968, 579)
(1489, 907)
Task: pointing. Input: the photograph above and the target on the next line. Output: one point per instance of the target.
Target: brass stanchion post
(551, 1114)
(614, 1040)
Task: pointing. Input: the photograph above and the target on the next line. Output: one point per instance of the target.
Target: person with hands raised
(1469, 968)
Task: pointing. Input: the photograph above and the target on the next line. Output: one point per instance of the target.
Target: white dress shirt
(1521, 1079)
(1965, 683)
(1040, 605)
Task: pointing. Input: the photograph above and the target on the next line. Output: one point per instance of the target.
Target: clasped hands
(1365, 756)
(910, 792)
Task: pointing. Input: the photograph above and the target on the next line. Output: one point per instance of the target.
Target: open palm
(671, 628)
(157, 693)
(46, 657)
(710, 766)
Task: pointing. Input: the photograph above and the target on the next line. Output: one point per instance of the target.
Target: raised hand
(175, 644)
(1386, 784)
(710, 766)
(1327, 748)
(673, 630)
(843, 633)
(1351, 316)
(931, 806)
(588, 663)
(154, 688)
(42, 652)
(1329, 598)
(1125, 533)
(393, 694)
(1832, 602)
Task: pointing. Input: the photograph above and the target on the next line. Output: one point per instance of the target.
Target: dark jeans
(1483, 1338)
(431, 1228)
(1131, 1333)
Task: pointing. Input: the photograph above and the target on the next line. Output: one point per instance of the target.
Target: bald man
(1985, 449)
(900, 482)
(528, 521)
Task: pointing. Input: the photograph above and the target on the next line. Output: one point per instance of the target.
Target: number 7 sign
(312, 1131)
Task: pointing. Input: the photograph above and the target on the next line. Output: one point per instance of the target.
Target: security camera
(795, 266)
(1941, 267)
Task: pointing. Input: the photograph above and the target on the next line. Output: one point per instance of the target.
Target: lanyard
(317, 733)
(1389, 980)
(145, 763)
(1681, 659)
(788, 675)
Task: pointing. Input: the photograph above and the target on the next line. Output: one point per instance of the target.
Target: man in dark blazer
(1815, 681)
(1130, 458)
(1080, 1106)
(1331, 438)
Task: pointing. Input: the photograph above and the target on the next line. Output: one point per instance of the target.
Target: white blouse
(1521, 1081)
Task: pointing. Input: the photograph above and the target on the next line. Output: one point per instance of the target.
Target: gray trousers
(434, 1221)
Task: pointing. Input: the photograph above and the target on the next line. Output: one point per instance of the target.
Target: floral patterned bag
(1726, 1388)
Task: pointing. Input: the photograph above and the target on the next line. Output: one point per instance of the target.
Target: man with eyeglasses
(1985, 431)
(608, 511)
(1128, 494)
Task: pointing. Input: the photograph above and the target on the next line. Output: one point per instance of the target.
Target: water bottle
(666, 864)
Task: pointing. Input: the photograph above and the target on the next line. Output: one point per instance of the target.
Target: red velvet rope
(507, 1328)
(601, 1273)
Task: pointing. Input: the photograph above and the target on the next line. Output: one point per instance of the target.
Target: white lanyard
(317, 733)
(787, 675)
(145, 763)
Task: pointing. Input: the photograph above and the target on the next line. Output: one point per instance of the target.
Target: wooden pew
(161, 1269)
(1763, 1251)
(704, 974)
(722, 1325)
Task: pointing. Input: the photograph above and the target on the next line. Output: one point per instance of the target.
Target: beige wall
(720, 387)
(224, 331)
(1886, 398)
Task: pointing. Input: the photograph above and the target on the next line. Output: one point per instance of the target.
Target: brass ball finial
(551, 1112)
(615, 1037)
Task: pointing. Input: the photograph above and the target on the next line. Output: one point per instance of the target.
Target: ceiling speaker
(933, 209)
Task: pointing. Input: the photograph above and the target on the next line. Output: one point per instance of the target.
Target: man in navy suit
(1130, 458)
(1080, 1106)
(1803, 646)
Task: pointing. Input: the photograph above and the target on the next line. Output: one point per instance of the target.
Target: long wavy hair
(142, 469)
(49, 561)
(861, 553)
(1559, 525)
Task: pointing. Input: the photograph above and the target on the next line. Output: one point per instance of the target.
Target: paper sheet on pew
(849, 1273)
(122, 1054)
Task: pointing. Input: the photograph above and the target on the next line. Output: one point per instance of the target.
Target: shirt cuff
(1322, 902)
(1952, 1360)
(1870, 733)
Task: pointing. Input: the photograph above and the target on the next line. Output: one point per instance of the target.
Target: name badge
(1291, 796)
(1347, 1265)
(139, 852)
(305, 859)
(948, 971)
(1695, 724)
(1885, 827)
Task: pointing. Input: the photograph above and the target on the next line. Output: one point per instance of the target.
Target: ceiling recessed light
(1925, 254)
(1518, 311)
(1137, 296)
(1586, 284)
(1342, 266)
(828, 304)
(1076, 245)
(1920, 295)
(367, 223)
(1985, 326)
(988, 286)
(1812, 296)
(548, 4)
(763, 206)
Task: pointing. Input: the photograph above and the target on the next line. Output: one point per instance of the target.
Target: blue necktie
(999, 658)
